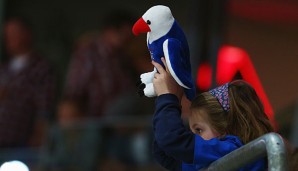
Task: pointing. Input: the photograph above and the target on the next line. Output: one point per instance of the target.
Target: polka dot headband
(222, 95)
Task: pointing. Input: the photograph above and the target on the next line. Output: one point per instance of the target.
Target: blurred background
(68, 70)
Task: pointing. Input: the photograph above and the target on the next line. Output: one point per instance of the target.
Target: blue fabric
(176, 148)
(181, 67)
(179, 56)
(207, 151)
(165, 160)
(169, 131)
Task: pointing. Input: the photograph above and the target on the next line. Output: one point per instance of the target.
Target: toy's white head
(158, 20)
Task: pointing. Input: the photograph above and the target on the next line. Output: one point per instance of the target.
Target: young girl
(221, 121)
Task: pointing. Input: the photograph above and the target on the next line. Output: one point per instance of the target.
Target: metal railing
(270, 144)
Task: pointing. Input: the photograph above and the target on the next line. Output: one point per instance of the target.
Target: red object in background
(230, 61)
(205, 75)
(267, 11)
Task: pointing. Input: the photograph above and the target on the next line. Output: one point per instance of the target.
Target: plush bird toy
(166, 39)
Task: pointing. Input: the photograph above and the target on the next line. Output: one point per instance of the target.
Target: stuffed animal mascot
(165, 38)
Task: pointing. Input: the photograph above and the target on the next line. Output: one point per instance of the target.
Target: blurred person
(70, 111)
(99, 71)
(102, 73)
(26, 89)
(72, 144)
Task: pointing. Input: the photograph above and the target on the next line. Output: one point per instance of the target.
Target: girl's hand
(164, 83)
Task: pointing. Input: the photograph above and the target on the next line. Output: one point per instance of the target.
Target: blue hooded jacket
(178, 149)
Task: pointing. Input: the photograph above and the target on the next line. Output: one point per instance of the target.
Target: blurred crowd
(99, 91)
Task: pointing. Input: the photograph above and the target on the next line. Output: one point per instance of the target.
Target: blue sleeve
(164, 160)
(169, 131)
(207, 151)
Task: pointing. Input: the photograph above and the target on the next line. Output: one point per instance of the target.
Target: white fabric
(167, 56)
(161, 19)
(18, 63)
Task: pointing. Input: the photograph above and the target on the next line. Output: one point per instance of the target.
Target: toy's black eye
(148, 22)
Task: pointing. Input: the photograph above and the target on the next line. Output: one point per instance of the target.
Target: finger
(165, 64)
(158, 67)
(156, 75)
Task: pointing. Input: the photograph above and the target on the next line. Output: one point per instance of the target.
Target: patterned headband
(222, 95)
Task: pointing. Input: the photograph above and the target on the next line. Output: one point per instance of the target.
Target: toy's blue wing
(179, 65)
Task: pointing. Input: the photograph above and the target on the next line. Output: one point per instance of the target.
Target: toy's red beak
(140, 27)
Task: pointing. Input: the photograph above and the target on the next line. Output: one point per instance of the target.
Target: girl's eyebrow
(197, 124)
(192, 125)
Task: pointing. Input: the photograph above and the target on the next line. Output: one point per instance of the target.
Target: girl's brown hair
(246, 117)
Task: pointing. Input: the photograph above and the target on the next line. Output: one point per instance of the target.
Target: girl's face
(198, 122)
